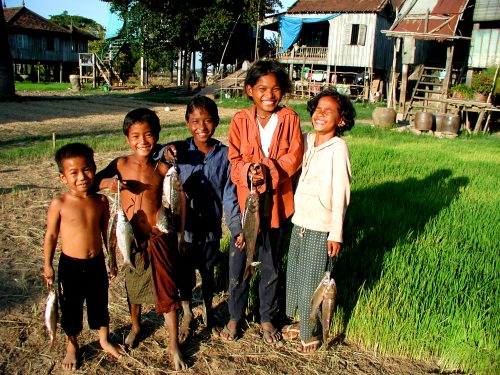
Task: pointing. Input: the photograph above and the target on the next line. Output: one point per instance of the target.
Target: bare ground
(25, 192)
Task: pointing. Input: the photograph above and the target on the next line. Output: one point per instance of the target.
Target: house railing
(300, 53)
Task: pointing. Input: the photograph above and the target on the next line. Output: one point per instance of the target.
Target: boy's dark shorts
(83, 280)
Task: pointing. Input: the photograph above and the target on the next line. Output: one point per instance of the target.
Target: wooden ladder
(429, 86)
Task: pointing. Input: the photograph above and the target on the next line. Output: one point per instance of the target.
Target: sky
(96, 10)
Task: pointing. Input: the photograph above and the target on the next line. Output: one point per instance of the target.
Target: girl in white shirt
(321, 200)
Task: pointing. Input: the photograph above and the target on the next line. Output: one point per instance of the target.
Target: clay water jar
(423, 121)
(451, 124)
(74, 79)
(384, 117)
(439, 120)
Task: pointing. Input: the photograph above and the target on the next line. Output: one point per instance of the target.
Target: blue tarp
(290, 28)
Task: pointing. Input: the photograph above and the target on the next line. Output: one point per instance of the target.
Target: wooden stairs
(428, 90)
(93, 67)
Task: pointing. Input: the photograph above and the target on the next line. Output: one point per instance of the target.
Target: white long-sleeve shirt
(324, 187)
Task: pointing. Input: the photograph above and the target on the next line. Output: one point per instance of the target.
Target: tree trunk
(187, 69)
(7, 87)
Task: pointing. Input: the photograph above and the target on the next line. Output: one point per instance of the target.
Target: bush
(482, 81)
(462, 91)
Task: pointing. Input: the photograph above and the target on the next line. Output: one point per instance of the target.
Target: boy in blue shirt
(205, 174)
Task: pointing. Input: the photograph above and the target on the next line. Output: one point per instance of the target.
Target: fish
(317, 297)
(327, 307)
(111, 242)
(174, 200)
(250, 223)
(51, 314)
(124, 238)
(163, 220)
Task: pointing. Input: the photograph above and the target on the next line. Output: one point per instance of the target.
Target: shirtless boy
(79, 218)
(156, 255)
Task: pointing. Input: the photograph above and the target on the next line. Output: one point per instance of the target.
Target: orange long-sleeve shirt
(285, 158)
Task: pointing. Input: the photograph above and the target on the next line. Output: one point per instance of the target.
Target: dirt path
(43, 115)
(25, 192)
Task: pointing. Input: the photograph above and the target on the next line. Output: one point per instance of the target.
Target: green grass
(420, 271)
(42, 86)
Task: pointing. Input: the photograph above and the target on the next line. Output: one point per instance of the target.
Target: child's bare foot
(131, 339)
(114, 350)
(185, 327)
(178, 360)
(69, 362)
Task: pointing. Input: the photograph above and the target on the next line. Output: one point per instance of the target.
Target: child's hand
(170, 154)
(239, 241)
(256, 174)
(334, 248)
(112, 184)
(48, 275)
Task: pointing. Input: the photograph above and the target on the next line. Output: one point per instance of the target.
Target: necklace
(263, 117)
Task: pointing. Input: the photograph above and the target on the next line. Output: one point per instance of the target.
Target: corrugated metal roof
(337, 6)
(429, 19)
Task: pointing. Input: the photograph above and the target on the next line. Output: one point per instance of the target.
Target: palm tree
(7, 88)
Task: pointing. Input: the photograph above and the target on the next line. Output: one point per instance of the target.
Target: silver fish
(173, 198)
(327, 307)
(250, 224)
(163, 220)
(317, 297)
(111, 243)
(51, 314)
(125, 238)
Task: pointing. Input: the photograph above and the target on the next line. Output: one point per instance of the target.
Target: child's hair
(346, 109)
(73, 150)
(142, 115)
(263, 67)
(200, 102)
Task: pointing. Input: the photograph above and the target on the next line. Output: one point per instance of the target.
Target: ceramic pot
(439, 120)
(478, 97)
(74, 79)
(451, 124)
(423, 121)
(384, 117)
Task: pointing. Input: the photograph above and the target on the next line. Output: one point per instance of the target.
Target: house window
(355, 34)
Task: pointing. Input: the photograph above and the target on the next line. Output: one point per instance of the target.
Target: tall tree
(7, 87)
(65, 19)
(195, 25)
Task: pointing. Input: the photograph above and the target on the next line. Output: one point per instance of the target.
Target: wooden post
(391, 99)
(60, 72)
(447, 75)
(402, 92)
(53, 140)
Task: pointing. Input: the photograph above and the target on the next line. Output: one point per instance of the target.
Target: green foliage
(192, 25)
(463, 91)
(482, 81)
(65, 19)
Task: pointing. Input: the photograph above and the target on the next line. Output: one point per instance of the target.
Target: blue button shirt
(209, 191)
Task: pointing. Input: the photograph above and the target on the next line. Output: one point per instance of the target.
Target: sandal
(304, 346)
(230, 335)
(271, 337)
(291, 331)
